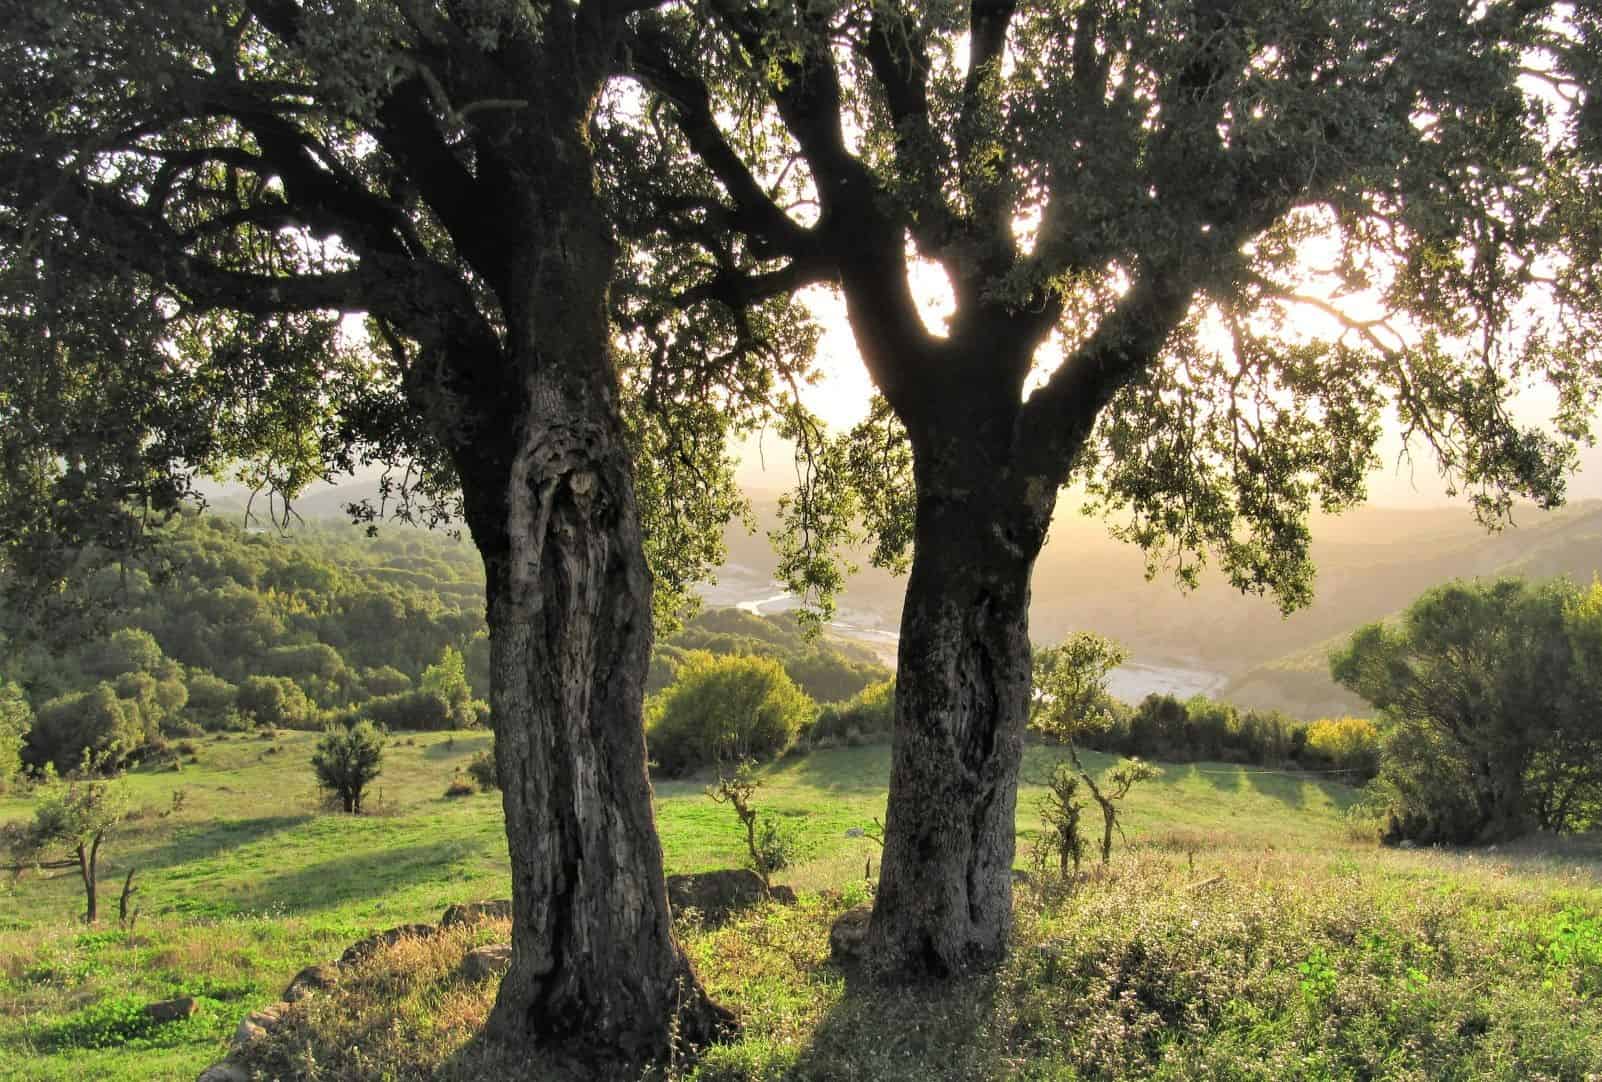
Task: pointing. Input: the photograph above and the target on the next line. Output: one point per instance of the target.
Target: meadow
(1241, 933)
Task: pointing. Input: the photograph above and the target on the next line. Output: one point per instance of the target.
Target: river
(1131, 682)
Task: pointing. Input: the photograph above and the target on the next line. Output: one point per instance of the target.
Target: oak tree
(198, 203)
(1195, 252)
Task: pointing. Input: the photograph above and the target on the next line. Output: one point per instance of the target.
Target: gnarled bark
(944, 903)
(548, 485)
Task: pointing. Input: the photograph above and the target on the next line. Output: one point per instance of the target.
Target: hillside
(1371, 563)
(245, 877)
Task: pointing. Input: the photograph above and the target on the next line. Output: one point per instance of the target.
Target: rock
(482, 963)
(171, 1010)
(224, 1072)
(720, 893)
(849, 934)
(362, 948)
(257, 1024)
(476, 912)
(317, 978)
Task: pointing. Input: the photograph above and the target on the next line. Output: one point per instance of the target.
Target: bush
(95, 722)
(829, 676)
(1346, 744)
(274, 701)
(726, 709)
(481, 768)
(1495, 708)
(870, 714)
(385, 680)
(212, 703)
(15, 721)
(347, 760)
(423, 711)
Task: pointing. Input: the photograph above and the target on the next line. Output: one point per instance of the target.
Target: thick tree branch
(754, 212)
(986, 169)
(1058, 418)
(900, 64)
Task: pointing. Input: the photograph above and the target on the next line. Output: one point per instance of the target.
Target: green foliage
(113, 1022)
(447, 679)
(1069, 695)
(769, 846)
(274, 702)
(1494, 707)
(870, 714)
(347, 760)
(420, 711)
(127, 650)
(828, 676)
(385, 680)
(16, 718)
(723, 710)
(1060, 811)
(96, 723)
(211, 702)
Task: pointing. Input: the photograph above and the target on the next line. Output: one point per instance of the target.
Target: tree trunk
(944, 903)
(552, 508)
(88, 857)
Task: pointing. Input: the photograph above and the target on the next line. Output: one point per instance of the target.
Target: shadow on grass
(332, 883)
(210, 840)
(903, 1033)
(844, 770)
(458, 748)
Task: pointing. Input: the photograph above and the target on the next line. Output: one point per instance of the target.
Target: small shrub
(769, 846)
(481, 768)
(347, 761)
(417, 710)
(866, 716)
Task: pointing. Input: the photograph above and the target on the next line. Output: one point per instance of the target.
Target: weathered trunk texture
(944, 903)
(549, 491)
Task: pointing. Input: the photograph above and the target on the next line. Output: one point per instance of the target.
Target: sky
(842, 394)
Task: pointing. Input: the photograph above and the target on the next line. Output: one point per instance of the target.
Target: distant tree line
(231, 628)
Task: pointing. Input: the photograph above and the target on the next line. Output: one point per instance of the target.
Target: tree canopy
(1196, 251)
(1493, 705)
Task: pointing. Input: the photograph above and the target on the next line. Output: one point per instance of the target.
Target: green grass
(249, 879)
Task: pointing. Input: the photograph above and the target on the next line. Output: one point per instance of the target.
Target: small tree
(1070, 685)
(1061, 808)
(768, 846)
(448, 679)
(347, 760)
(73, 815)
(1488, 690)
(1070, 698)
(15, 720)
(1111, 790)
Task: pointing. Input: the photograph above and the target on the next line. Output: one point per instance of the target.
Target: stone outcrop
(849, 935)
(722, 893)
(488, 961)
(476, 912)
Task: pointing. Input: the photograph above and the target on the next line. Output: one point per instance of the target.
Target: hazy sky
(841, 398)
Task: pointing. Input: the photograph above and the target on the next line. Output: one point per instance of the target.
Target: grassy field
(1487, 964)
